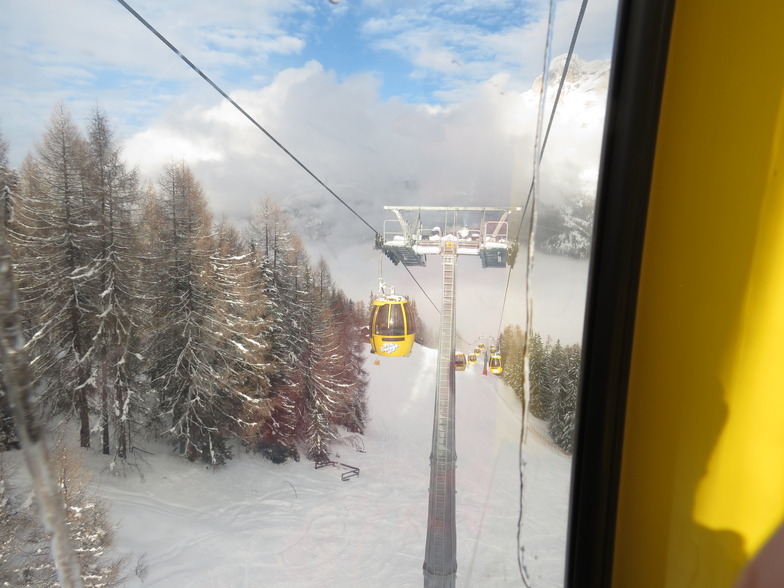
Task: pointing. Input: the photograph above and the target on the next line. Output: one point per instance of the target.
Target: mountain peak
(582, 76)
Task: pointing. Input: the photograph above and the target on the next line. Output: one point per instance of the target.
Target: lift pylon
(407, 241)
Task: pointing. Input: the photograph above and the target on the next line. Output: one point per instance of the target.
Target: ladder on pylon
(440, 566)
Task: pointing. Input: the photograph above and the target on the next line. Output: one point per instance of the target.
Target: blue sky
(389, 102)
(89, 52)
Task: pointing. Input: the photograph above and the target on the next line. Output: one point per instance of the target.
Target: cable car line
(255, 123)
(569, 53)
(242, 110)
(567, 62)
(438, 310)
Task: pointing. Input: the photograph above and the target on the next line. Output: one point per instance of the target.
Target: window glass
(276, 136)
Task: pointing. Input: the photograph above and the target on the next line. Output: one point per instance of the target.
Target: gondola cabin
(477, 351)
(460, 361)
(392, 327)
(493, 349)
(472, 359)
(495, 364)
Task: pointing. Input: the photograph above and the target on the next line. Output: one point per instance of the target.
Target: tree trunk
(122, 423)
(104, 405)
(84, 419)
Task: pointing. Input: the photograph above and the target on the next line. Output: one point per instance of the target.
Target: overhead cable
(241, 110)
(568, 60)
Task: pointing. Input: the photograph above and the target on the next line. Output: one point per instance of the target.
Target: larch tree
(55, 231)
(332, 378)
(115, 267)
(240, 331)
(8, 183)
(183, 342)
(349, 319)
(277, 250)
(320, 366)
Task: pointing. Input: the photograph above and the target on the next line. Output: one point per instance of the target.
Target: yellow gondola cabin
(460, 361)
(495, 364)
(472, 359)
(392, 327)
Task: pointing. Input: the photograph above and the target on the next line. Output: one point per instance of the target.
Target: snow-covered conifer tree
(184, 345)
(564, 405)
(537, 363)
(8, 183)
(115, 268)
(512, 342)
(323, 388)
(332, 378)
(349, 318)
(278, 253)
(241, 337)
(55, 231)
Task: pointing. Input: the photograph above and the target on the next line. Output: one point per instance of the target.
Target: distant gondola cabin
(392, 327)
(495, 364)
(472, 359)
(460, 361)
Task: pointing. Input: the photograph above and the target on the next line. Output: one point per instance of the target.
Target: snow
(252, 523)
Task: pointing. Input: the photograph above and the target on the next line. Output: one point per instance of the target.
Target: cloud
(371, 152)
(398, 103)
(89, 53)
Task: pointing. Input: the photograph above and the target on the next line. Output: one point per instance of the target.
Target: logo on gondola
(389, 347)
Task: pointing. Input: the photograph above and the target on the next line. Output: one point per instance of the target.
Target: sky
(427, 102)
(253, 523)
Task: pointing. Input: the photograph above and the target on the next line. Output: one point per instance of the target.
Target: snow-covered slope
(254, 524)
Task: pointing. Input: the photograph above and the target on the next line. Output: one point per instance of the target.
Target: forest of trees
(568, 229)
(143, 318)
(554, 371)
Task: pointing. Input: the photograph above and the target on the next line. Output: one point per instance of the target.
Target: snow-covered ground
(253, 523)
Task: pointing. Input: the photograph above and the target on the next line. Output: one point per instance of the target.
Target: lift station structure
(408, 241)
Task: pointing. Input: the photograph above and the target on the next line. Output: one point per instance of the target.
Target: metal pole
(440, 566)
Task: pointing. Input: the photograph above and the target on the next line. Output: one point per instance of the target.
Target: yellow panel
(702, 481)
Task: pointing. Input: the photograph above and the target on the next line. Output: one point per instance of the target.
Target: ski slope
(253, 523)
